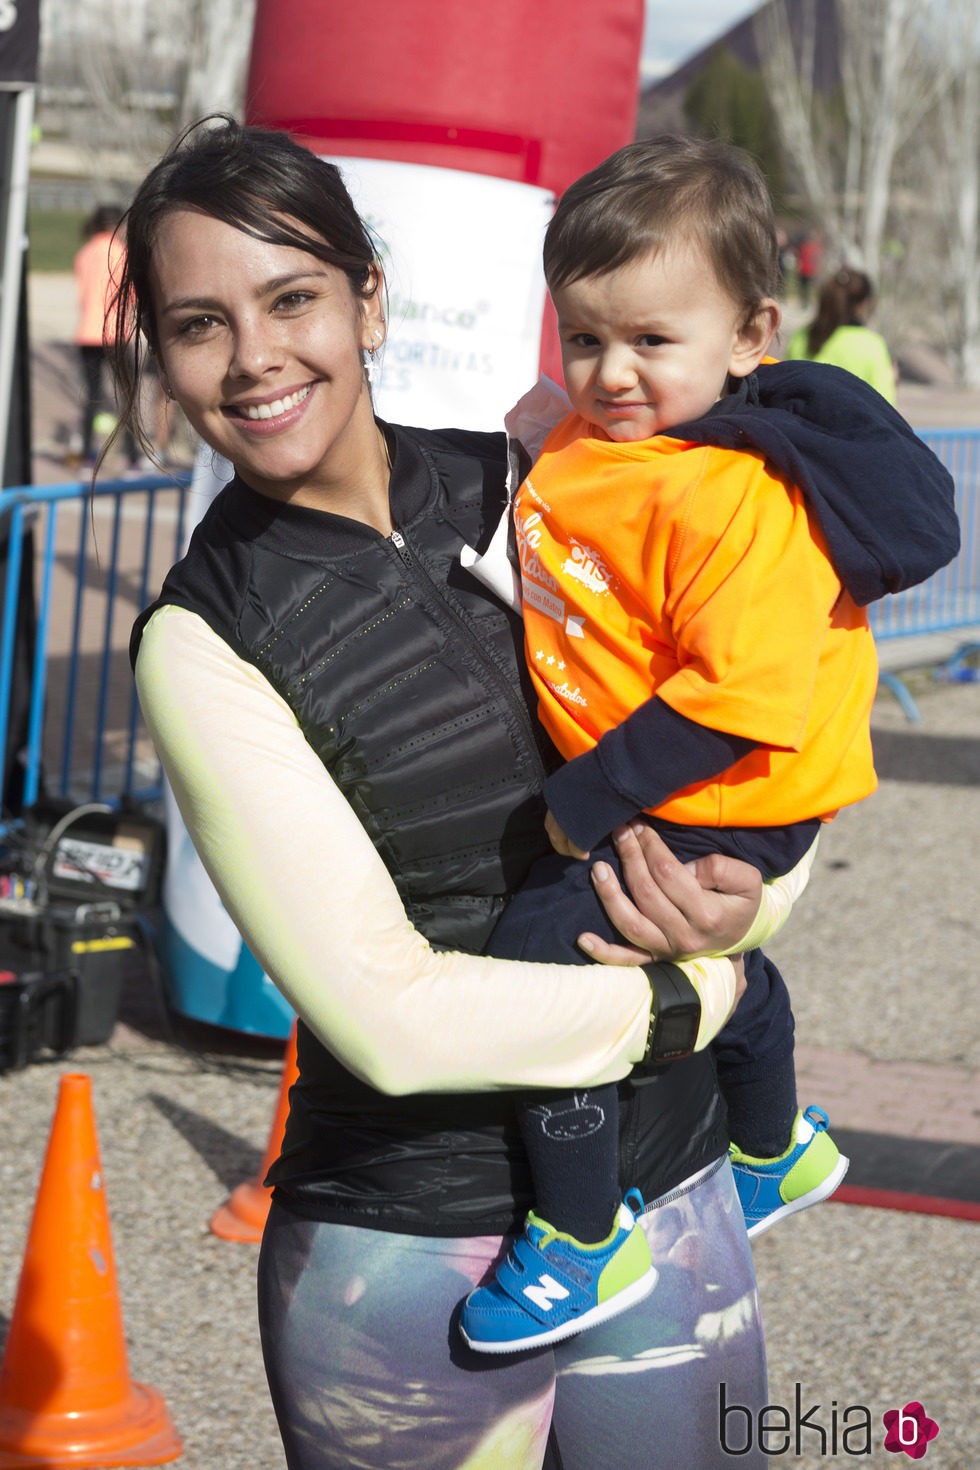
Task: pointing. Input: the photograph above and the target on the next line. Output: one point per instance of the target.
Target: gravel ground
(863, 1306)
(867, 1306)
(896, 876)
(178, 1129)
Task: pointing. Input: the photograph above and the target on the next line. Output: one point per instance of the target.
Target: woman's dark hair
(841, 297)
(259, 181)
(651, 193)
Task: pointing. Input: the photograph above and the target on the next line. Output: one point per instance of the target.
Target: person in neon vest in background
(839, 333)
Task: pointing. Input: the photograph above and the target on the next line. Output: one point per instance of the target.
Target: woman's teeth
(276, 407)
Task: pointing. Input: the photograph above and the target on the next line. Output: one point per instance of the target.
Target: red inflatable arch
(532, 91)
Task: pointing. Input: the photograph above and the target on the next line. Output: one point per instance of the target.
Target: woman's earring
(372, 362)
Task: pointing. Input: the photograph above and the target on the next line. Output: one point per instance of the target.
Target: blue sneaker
(551, 1286)
(808, 1172)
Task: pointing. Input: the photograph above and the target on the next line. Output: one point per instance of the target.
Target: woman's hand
(672, 911)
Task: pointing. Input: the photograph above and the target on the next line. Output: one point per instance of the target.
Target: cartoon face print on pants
(570, 1118)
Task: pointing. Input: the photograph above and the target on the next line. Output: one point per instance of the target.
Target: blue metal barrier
(949, 602)
(99, 557)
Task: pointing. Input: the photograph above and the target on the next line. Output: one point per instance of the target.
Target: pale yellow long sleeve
(306, 889)
(778, 898)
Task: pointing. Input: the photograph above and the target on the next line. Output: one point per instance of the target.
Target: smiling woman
(262, 344)
(342, 712)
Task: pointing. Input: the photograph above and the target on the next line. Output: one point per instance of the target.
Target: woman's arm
(305, 887)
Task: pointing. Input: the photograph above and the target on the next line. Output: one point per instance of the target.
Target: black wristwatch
(675, 1014)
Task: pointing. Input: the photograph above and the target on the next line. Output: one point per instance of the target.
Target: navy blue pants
(753, 1054)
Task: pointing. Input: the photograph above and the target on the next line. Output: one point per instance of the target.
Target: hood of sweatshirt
(884, 501)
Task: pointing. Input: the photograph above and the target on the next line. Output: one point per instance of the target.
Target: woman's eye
(196, 326)
(294, 300)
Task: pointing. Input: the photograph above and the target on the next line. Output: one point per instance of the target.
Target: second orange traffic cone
(66, 1397)
(243, 1215)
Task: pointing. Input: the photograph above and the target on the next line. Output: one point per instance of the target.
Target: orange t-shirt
(695, 574)
(97, 265)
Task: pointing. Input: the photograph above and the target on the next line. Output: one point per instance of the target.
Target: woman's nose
(254, 350)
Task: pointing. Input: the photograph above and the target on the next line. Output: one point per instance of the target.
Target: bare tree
(141, 72)
(889, 163)
(959, 174)
(789, 52)
(888, 91)
(843, 148)
(214, 81)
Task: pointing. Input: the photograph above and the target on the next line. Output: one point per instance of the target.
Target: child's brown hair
(650, 194)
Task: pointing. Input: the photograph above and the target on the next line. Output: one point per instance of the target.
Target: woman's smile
(272, 414)
(263, 347)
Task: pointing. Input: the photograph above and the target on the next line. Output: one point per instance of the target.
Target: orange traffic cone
(66, 1397)
(243, 1214)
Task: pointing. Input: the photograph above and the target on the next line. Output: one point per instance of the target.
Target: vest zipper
(517, 703)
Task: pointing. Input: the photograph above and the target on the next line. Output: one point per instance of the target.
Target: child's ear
(754, 338)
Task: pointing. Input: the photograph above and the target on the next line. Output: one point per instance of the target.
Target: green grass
(54, 235)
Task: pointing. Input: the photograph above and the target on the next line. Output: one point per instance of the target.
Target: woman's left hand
(672, 910)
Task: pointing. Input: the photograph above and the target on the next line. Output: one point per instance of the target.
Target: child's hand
(559, 841)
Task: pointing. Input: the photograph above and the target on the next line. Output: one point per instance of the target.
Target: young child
(699, 652)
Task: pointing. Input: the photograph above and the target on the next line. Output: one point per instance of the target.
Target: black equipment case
(73, 886)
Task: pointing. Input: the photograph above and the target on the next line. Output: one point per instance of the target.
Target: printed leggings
(367, 1370)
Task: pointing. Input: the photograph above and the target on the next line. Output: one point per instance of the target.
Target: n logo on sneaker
(546, 1293)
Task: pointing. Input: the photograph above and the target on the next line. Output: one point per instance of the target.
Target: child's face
(651, 345)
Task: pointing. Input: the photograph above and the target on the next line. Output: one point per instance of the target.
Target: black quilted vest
(408, 680)
(404, 674)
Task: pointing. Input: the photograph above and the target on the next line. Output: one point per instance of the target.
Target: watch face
(676, 1033)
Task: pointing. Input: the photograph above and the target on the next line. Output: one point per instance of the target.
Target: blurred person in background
(97, 268)
(839, 333)
(809, 264)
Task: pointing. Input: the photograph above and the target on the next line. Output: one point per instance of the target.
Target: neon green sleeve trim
(316, 906)
(776, 904)
(714, 981)
(716, 986)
